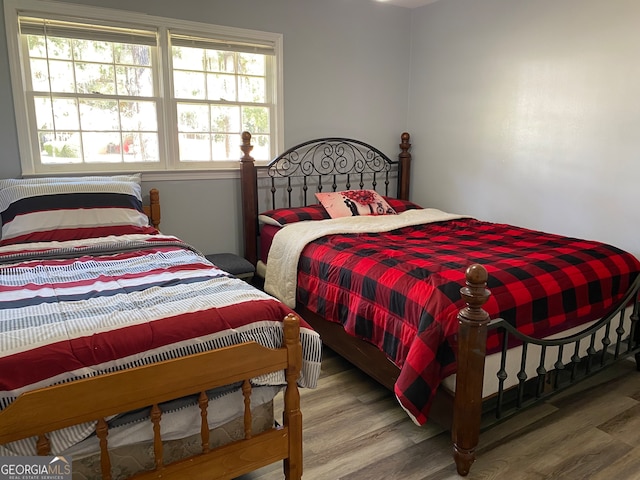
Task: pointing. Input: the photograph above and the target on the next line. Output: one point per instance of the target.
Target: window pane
(194, 147)
(225, 119)
(251, 64)
(251, 89)
(39, 76)
(193, 118)
(102, 147)
(261, 147)
(37, 47)
(99, 115)
(138, 116)
(127, 54)
(221, 61)
(189, 85)
(44, 114)
(95, 78)
(134, 81)
(93, 51)
(58, 48)
(225, 147)
(221, 87)
(61, 77)
(256, 120)
(185, 58)
(141, 147)
(63, 147)
(65, 112)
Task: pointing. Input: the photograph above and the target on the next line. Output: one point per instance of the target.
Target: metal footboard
(559, 363)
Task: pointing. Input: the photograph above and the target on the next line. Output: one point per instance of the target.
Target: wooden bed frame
(152, 210)
(38, 412)
(465, 412)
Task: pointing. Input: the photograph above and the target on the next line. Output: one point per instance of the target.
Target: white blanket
(290, 240)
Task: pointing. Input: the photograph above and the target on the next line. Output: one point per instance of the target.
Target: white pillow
(10, 182)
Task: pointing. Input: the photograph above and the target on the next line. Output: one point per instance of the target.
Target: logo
(35, 468)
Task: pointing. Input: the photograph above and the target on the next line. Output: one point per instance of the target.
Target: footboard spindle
(246, 392)
(203, 403)
(102, 431)
(156, 416)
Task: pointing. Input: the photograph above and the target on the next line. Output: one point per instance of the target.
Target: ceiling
(408, 3)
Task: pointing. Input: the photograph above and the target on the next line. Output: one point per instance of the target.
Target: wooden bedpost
(153, 209)
(292, 417)
(404, 173)
(249, 189)
(472, 340)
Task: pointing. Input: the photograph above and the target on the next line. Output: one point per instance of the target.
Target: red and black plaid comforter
(400, 290)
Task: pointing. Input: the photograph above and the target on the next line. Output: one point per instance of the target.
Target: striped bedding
(81, 308)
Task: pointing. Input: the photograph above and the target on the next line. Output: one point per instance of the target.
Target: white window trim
(169, 170)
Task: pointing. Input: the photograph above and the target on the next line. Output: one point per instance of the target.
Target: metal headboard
(329, 163)
(332, 163)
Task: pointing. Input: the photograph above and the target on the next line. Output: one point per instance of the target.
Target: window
(103, 90)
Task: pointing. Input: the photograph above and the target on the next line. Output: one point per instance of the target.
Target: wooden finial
(475, 294)
(404, 158)
(246, 147)
(154, 207)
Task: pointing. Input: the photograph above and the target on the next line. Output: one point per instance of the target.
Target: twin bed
(467, 322)
(128, 351)
(118, 342)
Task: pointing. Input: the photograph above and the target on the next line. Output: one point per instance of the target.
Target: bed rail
(562, 362)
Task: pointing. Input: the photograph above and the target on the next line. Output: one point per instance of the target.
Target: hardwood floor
(355, 430)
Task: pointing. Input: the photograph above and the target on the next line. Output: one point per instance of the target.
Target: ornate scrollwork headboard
(329, 164)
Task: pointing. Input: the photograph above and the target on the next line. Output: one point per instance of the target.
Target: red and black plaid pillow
(401, 205)
(282, 216)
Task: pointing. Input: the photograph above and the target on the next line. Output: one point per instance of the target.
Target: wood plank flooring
(354, 429)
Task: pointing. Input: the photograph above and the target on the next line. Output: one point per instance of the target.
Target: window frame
(169, 167)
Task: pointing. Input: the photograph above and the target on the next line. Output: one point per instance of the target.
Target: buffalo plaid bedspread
(400, 290)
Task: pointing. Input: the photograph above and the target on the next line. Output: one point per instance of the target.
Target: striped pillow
(59, 211)
(10, 182)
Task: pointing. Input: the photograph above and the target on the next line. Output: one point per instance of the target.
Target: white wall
(346, 73)
(528, 112)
